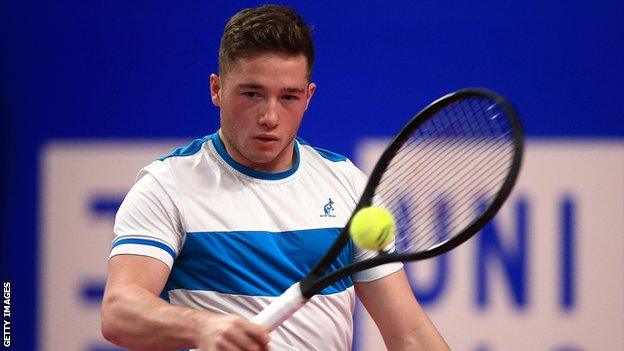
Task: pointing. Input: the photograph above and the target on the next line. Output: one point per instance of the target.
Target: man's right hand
(231, 332)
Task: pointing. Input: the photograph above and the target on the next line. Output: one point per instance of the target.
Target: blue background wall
(111, 69)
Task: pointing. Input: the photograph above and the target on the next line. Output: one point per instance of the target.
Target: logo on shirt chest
(328, 209)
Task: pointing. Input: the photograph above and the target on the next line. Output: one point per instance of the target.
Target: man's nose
(270, 116)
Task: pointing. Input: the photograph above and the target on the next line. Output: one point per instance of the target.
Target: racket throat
(308, 288)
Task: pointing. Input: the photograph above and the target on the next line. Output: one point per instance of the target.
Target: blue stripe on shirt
(254, 263)
(148, 242)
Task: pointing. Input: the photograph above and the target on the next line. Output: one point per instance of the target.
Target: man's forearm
(426, 337)
(133, 317)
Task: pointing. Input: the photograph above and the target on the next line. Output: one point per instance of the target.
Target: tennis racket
(443, 177)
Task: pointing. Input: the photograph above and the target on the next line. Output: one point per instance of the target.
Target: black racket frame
(314, 282)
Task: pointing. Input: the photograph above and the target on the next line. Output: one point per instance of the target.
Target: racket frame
(315, 281)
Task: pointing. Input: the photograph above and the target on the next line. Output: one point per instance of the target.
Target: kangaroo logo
(328, 209)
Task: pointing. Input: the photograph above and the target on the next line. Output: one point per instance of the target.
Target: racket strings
(434, 181)
(430, 192)
(435, 170)
(438, 199)
(458, 217)
(450, 168)
(396, 184)
(400, 159)
(470, 182)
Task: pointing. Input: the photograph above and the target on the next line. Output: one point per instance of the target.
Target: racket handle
(281, 308)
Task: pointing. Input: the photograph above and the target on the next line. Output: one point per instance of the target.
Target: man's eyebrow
(249, 86)
(256, 86)
(294, 90)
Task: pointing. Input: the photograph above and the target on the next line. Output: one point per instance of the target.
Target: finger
(243, 342)
(257, 333)
(227, 345)
(246, 339)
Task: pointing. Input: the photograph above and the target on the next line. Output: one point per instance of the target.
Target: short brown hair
(263, 29)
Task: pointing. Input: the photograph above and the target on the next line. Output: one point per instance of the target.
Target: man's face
(262, 101)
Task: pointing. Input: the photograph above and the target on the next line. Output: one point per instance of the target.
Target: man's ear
(309, 93)
(215, 89)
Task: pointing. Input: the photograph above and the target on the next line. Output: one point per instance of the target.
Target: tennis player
(210, 234)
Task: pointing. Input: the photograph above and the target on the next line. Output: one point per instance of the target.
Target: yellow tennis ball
(372, 228)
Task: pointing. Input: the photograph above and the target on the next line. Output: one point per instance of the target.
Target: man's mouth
(266, 138)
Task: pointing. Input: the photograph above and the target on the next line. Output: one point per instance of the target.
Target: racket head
(443, 177)
(510, 133)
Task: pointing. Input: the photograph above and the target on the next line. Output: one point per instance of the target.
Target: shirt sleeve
(359, 182)
(148, 221)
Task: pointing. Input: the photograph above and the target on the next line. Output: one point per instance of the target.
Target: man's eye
(251, 94)
(290, 97)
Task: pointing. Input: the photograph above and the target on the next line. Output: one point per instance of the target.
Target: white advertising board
(546, 275)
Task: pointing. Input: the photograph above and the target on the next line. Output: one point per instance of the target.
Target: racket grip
(281, 308)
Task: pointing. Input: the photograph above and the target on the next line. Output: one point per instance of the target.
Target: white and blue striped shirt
(235, 238)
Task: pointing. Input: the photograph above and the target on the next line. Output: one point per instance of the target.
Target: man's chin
(268, 162)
